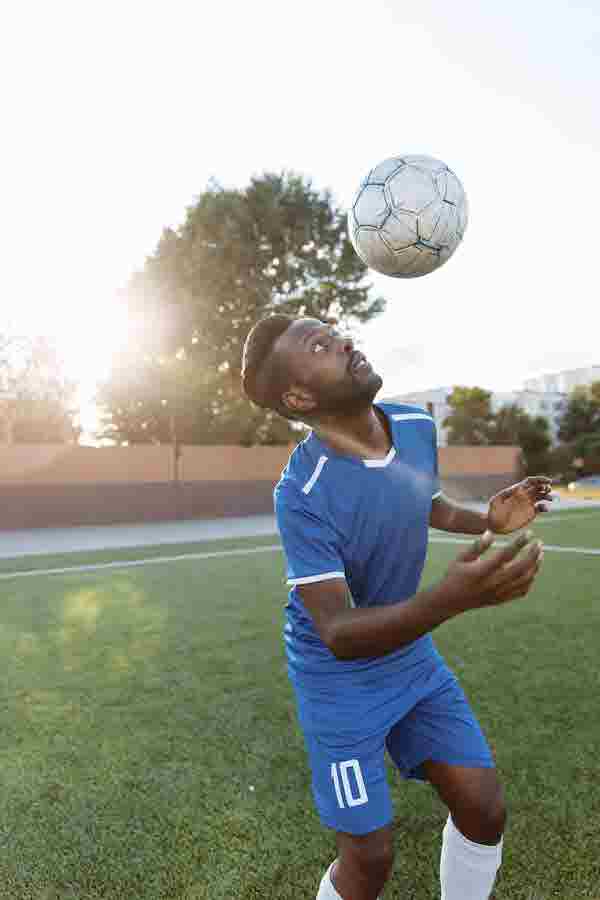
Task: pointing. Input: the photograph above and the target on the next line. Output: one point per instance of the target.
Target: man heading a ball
(354, 506)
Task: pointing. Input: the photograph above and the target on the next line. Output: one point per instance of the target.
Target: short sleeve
(311, 546)
(436, 489)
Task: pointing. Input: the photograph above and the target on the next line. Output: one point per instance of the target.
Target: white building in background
(545, 396)
(549, 404)
(435, 402)
(563, 382)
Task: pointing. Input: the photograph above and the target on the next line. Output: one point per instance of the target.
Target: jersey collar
(326, 450)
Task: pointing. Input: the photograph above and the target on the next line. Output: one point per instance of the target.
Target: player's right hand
(473, 581)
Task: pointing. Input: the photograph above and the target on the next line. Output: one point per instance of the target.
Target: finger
(514, 591)
(510, 491)
(538, 479)
(544, 495)
(521, 567)
(540, 490)
(479, 546)
(539, 503)
(522, 585)
(494, 563)
(505, 575)
(538, 484)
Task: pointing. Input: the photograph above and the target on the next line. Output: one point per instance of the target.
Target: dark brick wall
(63, 505)
(476, 487)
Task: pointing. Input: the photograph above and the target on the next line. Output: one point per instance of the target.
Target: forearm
(449, 516)
(376, 631)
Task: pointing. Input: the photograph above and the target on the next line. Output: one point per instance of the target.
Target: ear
(298, 400)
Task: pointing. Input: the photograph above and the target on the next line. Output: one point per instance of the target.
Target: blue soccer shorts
(349, 781)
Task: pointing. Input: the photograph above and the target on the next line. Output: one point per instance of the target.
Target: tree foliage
(580, 425)
(41, 408)
(470, 422)
(582, 415)
(276, 246)
(473, 423)
(512, 425)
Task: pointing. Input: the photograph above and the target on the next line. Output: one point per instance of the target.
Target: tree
(470, 421)
(587, 447)
(582, 415)
(276, 246)
(41, 408)
(513, 426)
(580, 425)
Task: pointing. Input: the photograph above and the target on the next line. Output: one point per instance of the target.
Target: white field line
(245, 551)
(547, 519)
(555, 548)
(129, 563)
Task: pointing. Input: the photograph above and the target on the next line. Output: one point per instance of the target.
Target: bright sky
(116, 114)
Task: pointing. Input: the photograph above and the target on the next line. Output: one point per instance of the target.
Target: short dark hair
(264, 377)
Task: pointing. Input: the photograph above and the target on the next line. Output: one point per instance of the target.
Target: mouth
(358, 363)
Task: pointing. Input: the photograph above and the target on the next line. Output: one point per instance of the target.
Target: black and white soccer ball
(408, 216)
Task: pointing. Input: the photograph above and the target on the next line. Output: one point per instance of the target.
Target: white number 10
(351, 800)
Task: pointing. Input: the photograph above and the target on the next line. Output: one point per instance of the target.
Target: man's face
(327, 375)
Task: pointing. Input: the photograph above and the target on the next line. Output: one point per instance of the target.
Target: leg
(353, 798)
(472, 838)
(364, 864)
(441, 741)
(474, 797)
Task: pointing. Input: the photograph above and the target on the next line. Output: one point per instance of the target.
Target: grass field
(149, 746)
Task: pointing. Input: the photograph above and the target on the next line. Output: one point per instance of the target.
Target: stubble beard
(350, 398)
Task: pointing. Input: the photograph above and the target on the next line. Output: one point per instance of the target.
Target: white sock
(327, 890)
(467, 870)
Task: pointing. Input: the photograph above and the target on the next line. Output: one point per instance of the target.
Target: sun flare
(87, 337)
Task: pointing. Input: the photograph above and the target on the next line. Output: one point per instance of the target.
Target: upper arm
(324, 600)
(314, 559)
(436, 488)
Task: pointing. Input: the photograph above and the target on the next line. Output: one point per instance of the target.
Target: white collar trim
(380, 463)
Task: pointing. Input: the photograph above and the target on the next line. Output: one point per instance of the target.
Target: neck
(363, 434)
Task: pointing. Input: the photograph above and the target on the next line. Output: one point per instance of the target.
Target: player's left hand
(519, 504)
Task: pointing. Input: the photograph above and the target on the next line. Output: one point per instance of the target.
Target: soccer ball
(408, 216)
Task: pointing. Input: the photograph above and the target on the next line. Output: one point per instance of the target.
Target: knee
(379, 861)
(492, 822)
(373, 859)
(485, 821)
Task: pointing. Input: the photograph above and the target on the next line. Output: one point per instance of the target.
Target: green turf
(576, 528)
(149, 746)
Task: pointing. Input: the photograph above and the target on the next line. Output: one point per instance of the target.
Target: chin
(353, 399)
(371, 388)
(378, 381)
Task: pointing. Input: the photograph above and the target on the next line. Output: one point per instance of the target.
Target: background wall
(53, 486)
(71, 464)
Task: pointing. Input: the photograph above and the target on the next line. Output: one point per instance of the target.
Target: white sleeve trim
(409, 417)
(309, 579)
(313, 478)
(435, 496)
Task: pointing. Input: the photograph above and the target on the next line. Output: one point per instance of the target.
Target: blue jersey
(366, 521)
(362, 520)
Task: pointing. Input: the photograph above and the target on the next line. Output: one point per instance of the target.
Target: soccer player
(353, 506)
